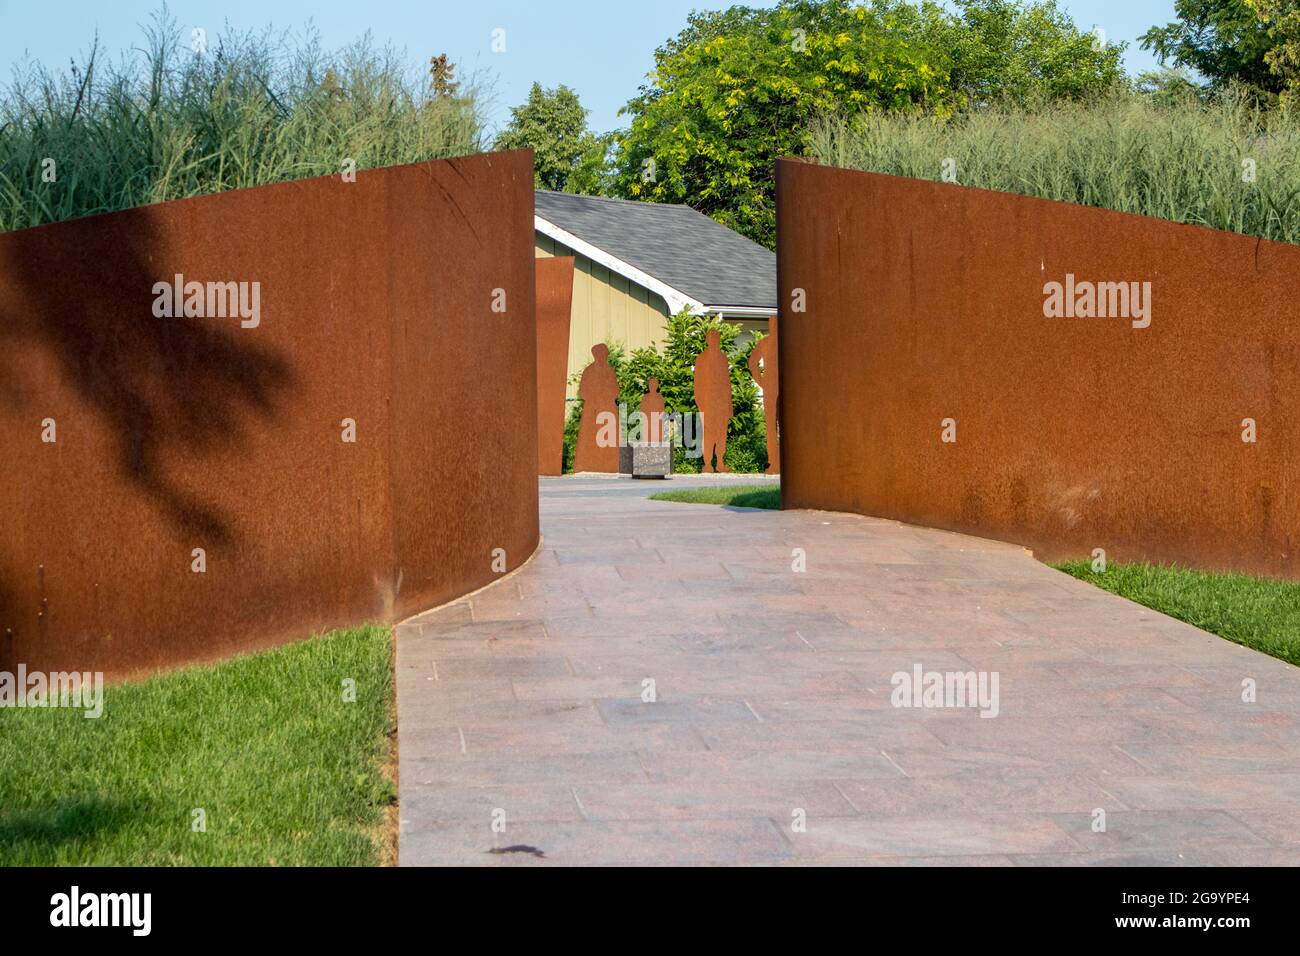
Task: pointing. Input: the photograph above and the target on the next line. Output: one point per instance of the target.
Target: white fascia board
(741, 311)
(676, 300)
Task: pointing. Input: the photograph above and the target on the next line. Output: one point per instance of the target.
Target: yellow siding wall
(606, 308)
(748, 329)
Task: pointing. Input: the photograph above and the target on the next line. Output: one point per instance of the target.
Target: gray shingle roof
(675, 244)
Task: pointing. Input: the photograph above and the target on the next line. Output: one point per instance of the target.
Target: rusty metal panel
(599, 435)
(376, 314)
(928, 303)
(554, 308)
(712, 381)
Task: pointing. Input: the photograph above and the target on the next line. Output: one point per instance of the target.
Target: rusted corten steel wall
(926, 302)
(403, 302)
(554, 309)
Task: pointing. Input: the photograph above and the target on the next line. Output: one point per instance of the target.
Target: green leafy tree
(591, 175)
(1007, 51)
(737, 88)
(1170, 86)
(568, 157)
(1282, 19)
(1223, 40)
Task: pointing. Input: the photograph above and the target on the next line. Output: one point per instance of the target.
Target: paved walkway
(771, 737)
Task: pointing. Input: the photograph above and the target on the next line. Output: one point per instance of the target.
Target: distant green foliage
(685, 338)
(166, 122)
(1169, 86)
(1282, 18)
(1257, 612)
(1010, 51)
(1224, 40)
(568, 157)
(737, 88)
(572, 418)
(734, 91)
(1170, 156)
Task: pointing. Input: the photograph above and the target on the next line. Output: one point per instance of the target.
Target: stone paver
(772, 738)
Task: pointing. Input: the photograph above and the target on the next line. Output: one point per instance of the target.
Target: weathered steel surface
(379, 303)
(651, 407)
(926, 302)
(554, 307)
(713, 399)
(598, 429)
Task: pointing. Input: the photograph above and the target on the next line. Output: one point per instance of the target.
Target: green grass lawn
(744, 496)
(1257, 612)
(286, 771)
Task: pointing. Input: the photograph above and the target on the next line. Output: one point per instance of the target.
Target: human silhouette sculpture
(598, 437)
(763, 366)
(713, 399)
(652, 407)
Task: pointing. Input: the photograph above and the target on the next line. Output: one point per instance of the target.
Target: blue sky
(601, 48)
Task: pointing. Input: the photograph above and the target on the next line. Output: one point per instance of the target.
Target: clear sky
(600, 48)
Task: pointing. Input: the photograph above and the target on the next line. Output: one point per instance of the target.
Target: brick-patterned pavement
(524, 704)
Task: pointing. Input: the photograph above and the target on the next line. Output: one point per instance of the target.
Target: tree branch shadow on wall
(81, 293)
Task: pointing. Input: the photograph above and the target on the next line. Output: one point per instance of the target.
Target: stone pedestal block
(646, 459)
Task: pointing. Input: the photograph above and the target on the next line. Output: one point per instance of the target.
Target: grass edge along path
(743, 496)
(286, 753)
(1259, 613)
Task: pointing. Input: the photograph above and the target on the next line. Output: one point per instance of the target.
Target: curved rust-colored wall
(380, 302)
(925, 301)
(554, 311)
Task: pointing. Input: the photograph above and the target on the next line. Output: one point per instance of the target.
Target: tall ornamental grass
(1221, 162)
(166, 122)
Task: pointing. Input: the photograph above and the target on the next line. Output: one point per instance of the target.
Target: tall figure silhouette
(713, 399)
(598, 437)
(652, 407)
(763, 366)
